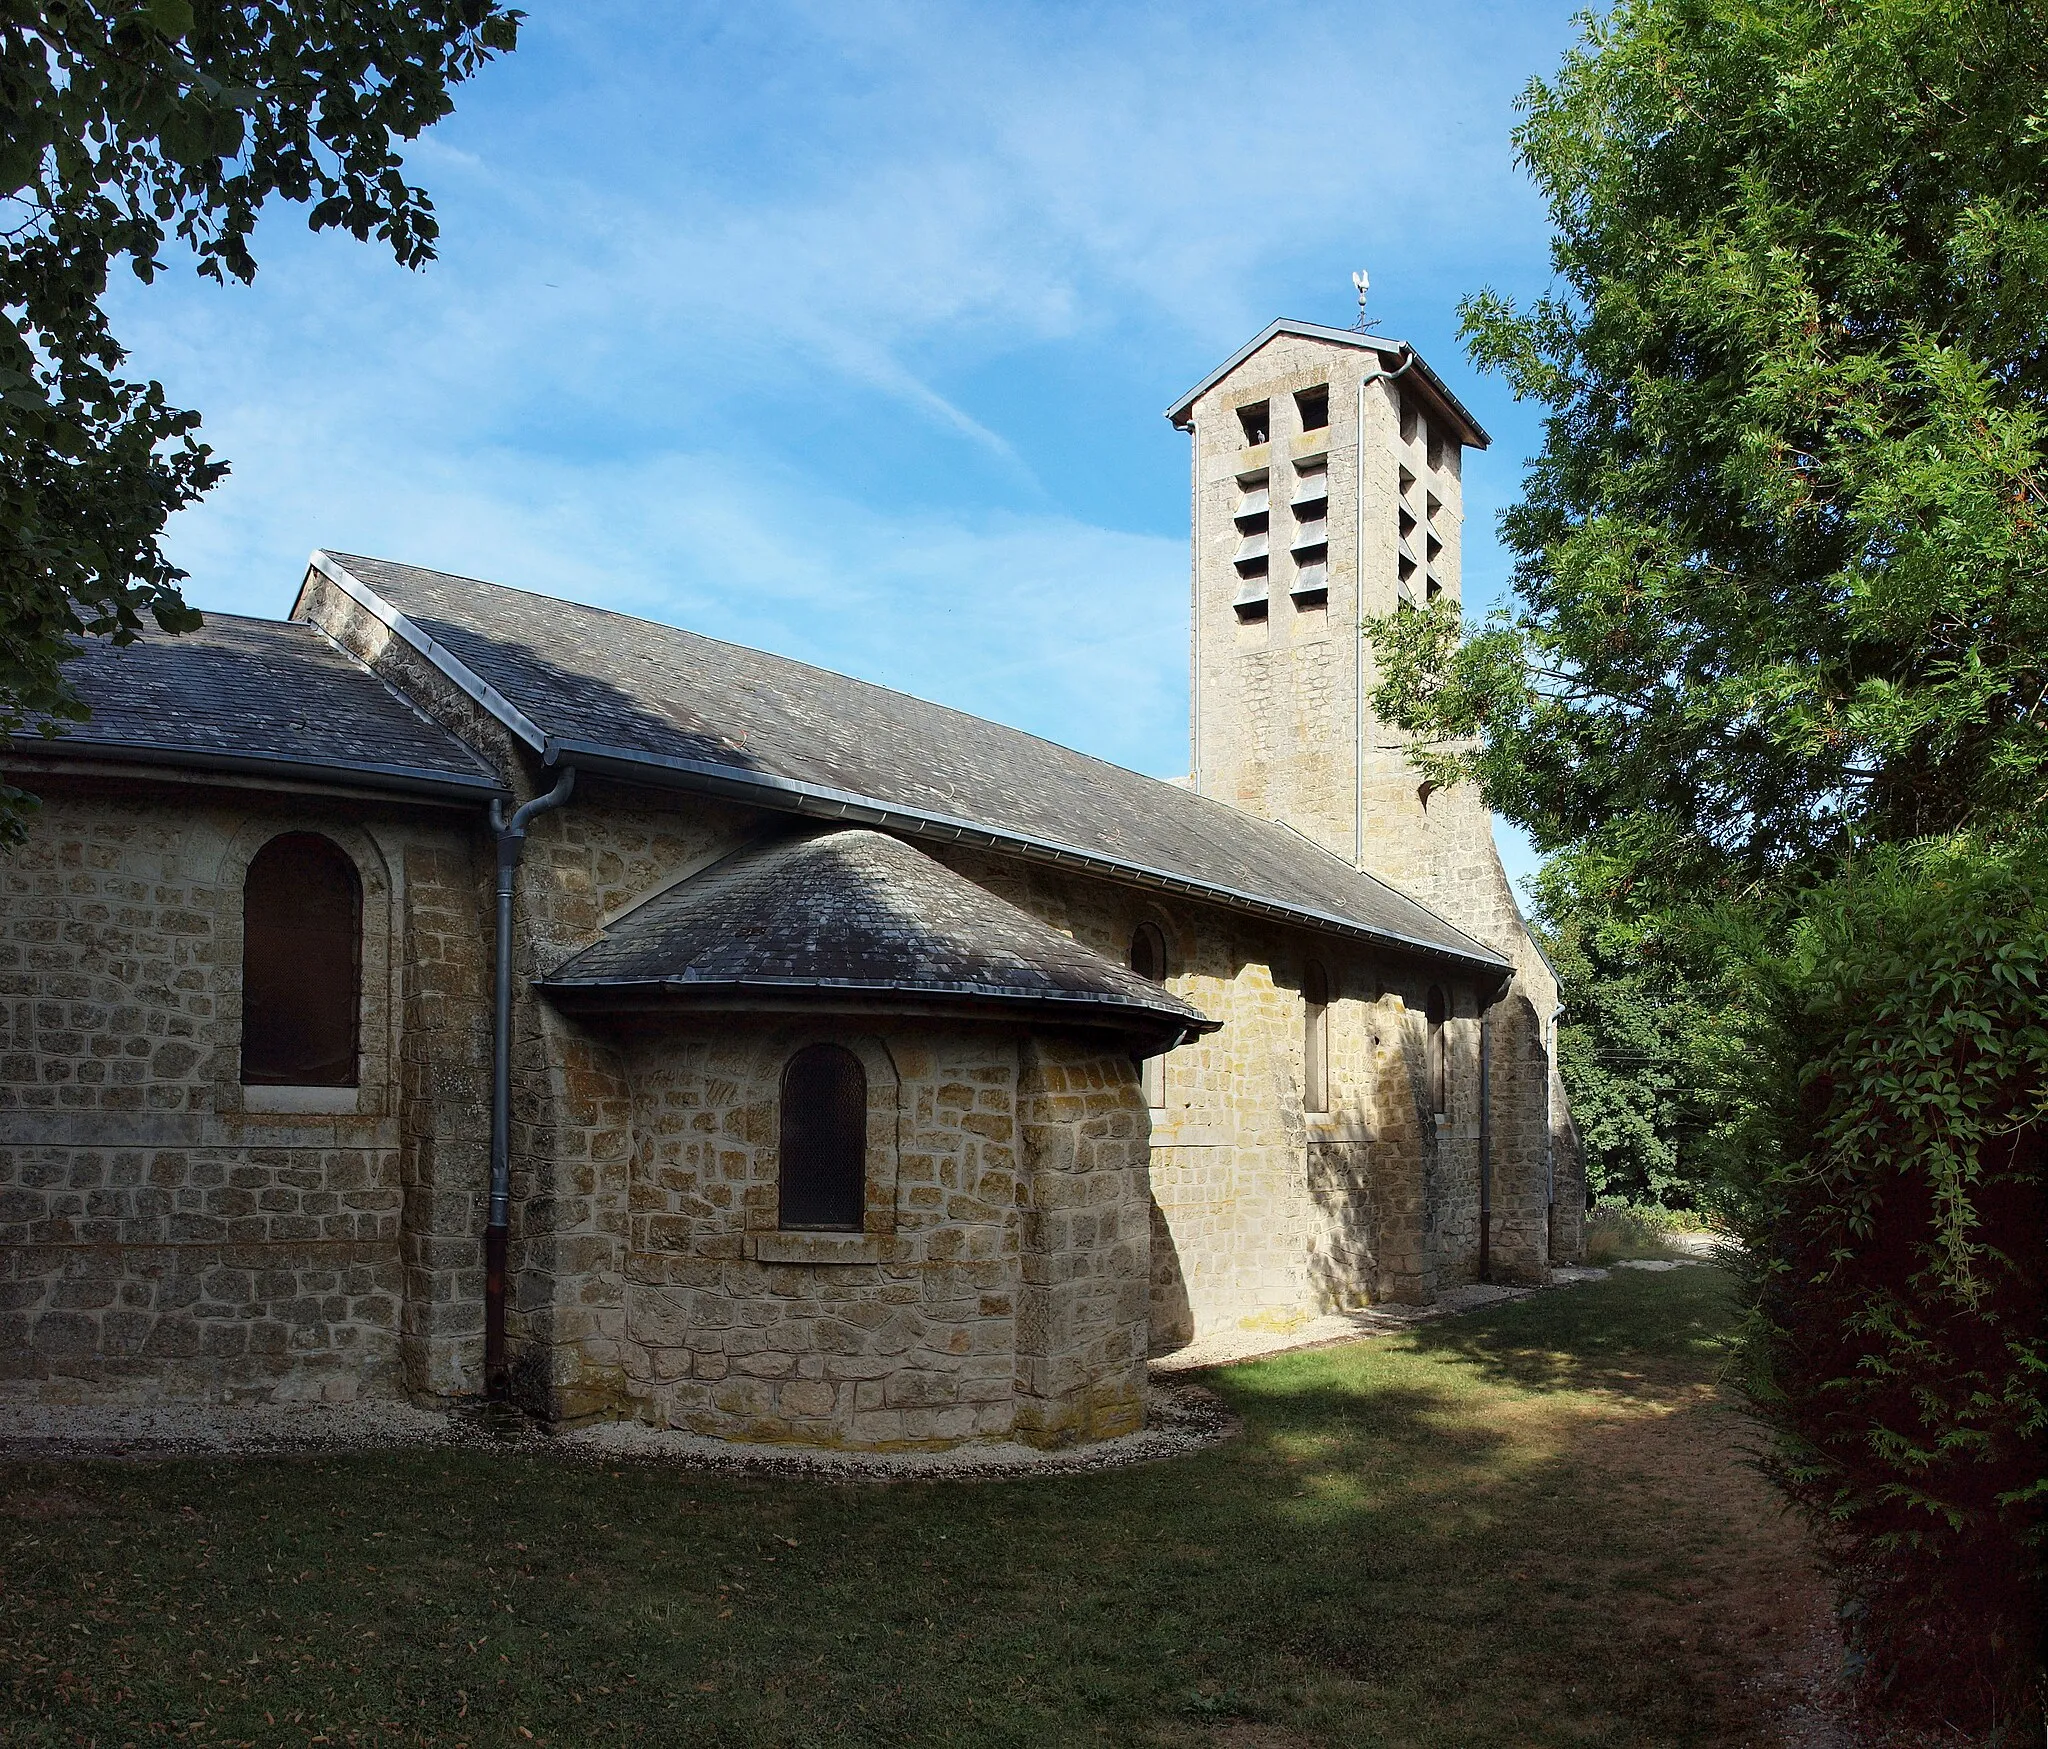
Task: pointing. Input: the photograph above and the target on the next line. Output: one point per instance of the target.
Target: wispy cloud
(844, 330)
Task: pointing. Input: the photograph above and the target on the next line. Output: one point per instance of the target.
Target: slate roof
(258, 695)
(857, 912)
(659, 705)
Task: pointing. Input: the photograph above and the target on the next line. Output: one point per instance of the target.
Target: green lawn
(1524, 1526)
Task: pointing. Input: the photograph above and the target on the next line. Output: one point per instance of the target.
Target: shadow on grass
(1411, 1545)
(1616, 1335)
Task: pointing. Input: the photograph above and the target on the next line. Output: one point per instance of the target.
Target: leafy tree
(1636, 1038)
(1778, 579)
(124, 124)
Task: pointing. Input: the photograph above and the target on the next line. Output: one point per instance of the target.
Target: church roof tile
(655, 704)
(855, 913)
(257, 695)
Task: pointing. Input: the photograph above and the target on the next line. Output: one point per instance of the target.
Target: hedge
(1890, 1196)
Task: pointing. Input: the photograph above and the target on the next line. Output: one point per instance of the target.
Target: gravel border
(1180, 1418)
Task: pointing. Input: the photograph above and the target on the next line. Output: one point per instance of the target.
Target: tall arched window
(302, 964)
(1148, 960)
(824, 1141)
(1315, 1040)
(1439, 1066)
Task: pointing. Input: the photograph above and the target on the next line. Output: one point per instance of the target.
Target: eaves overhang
(1166, 1027)
(1471, 433)
(395, 779)
(770, 790)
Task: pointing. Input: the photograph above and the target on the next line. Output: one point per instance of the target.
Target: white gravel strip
(1180, 1418)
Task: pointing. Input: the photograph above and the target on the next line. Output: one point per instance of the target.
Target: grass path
(1528, 1526)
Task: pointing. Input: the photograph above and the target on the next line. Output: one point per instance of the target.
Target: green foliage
(1777, 583)
(1893, 1164)
(1635, 1038)
(1618, 1232)
(1779, 598)
(123, 126)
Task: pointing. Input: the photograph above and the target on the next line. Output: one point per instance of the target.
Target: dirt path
(1762, 1612)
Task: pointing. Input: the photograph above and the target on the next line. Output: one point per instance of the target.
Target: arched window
(302, 964)
(824, 1141)
(1315, 1040)
(1148, 960)
(1148, 952)
(1439, 1067)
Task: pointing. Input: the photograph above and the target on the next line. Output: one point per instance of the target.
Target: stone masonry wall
(168, 1233)
(166, 1239)
(574, 1100)
(1443, 853)
(1083, 1306)
(901, 1335)
(444, 1084)
(978, 1302)
(1264, 1214)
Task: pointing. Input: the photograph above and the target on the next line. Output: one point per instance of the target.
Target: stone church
(448, 990)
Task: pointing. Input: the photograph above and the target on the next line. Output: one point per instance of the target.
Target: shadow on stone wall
(1173, 1316)
(1344, 1253)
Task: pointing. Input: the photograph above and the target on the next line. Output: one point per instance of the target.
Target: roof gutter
(787, 795)
(402, 779)
(1169, 1027)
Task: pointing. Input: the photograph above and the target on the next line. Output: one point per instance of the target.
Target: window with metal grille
(302, 983)
(824, 1141)
(1439, 1067)
(1315, 1006)
(1148, 960)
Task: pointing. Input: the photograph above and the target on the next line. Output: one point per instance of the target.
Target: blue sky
(845, 331)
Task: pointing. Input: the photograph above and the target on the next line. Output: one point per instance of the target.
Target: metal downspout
(1550, 1074)
(1375, 375)
(497, 1229)
(1485, 1147)
(1195, 613)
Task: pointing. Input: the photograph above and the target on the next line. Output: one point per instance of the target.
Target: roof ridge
(483, 765)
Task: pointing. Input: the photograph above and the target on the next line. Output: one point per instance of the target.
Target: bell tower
(1327, 488)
